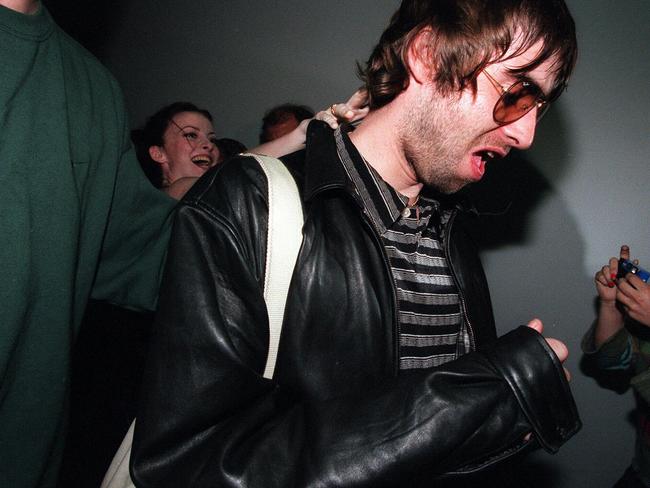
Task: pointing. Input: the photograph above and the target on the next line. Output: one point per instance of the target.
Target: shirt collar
(322, 172)
(383, 204)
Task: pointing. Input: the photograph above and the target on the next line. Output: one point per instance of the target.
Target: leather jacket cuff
(521, 355)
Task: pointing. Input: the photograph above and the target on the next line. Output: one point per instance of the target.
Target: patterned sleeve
(615, 354)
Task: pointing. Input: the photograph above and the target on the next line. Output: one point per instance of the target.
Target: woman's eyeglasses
(517, 100)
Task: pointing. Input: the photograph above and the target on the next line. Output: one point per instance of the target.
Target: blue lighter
(625, 267)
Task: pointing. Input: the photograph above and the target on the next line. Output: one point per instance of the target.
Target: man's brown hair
(464, 37)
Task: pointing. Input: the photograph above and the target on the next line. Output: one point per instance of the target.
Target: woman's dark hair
(151, 134)
(465, 36)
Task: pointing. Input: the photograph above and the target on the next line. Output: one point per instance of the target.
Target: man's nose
(521, 132)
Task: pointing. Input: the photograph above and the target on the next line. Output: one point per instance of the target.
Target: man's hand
(560, 350)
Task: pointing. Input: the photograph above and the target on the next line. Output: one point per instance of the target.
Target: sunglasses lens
(517, 101)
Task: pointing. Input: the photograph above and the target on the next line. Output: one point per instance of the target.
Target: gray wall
(582, 186)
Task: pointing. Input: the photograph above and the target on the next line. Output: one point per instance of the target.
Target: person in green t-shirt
(78, 219)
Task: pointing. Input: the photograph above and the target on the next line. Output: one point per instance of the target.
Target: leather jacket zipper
(387, 268)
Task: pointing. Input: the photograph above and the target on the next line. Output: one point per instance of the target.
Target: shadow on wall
(506, 197)
(512, 189)
(90, 22)
(531, 248)
(509, 199)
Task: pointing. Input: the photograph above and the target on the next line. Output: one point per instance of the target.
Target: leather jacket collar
(320, 173)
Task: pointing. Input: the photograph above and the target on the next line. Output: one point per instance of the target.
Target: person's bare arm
(610, 319)
(354, 109)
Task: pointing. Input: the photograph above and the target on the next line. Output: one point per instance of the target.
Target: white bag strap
(117, 475)
(284, 238)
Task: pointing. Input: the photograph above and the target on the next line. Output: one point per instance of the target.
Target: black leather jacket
(337, 413)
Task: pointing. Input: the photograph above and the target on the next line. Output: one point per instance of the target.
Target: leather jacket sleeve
(209, 418)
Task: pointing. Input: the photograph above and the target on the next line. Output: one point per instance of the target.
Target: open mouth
(202, 161)
(487, 155)
(481, 158)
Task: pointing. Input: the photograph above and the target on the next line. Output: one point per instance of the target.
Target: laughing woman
(178, 143)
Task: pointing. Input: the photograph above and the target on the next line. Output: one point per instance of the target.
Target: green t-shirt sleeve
(135, 243)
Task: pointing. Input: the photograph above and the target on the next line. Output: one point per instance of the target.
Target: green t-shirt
(77, 218)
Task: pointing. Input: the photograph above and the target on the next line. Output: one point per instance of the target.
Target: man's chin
(448, 187)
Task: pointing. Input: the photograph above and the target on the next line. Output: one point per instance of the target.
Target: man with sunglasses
(389, 371)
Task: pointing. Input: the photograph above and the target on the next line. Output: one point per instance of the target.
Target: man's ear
(157, 153)
(419, 57)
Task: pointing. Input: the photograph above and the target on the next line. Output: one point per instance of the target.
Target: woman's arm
(354, 109)
(610, 319)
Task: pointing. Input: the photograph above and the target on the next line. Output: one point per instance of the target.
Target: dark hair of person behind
(151, 134)
(466, 36)
(280, 113)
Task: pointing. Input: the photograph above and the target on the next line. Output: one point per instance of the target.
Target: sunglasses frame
(541, 103)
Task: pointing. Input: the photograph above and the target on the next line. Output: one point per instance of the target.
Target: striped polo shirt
(431, 326)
